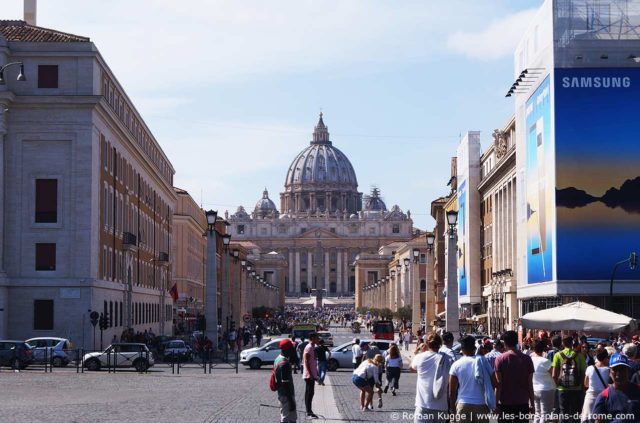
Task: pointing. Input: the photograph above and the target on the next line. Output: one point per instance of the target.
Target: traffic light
(104, 321)
(233, 325)
(94, 316)
(633, 261)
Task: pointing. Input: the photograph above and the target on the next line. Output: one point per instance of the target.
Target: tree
(386, 313)
(403, 313)
(362, 310)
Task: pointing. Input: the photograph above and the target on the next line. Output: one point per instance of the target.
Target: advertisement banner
(597, 171)
(539, 185)
(462, 238)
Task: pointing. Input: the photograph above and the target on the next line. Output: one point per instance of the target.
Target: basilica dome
(265, 207)
(322, 177)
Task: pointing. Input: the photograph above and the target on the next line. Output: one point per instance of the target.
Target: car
(133, 355)
(177, 350)
(342, 355)
(327, 337)
(259, 356)
(17, 354)
(58, 351)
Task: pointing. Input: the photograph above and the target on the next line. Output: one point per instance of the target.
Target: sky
(232, 90)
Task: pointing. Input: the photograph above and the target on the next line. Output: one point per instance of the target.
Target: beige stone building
(189, 254)
(323, 222)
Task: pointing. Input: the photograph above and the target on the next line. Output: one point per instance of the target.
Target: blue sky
(232, 90)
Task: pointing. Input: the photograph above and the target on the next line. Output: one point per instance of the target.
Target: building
(497, 189)
(88, 195)
(323, 222)
(189, 252)
(577, 158)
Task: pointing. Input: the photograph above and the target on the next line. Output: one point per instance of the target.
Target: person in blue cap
(619, 402)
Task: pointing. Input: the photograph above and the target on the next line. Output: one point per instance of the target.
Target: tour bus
(302, 331)
(383, 329)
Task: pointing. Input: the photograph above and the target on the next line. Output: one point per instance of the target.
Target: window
(423, 286)
(372, 231)
(48, 76)
(43, 315)
(46, 200)
(240, 229)
(46, 257)
(423, 258)
(396, 229)
(263, 231)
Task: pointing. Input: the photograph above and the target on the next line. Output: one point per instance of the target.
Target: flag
(173, 292)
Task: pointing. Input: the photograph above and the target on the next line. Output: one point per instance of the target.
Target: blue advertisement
(539, 185)
(462, 258)
(597, 171)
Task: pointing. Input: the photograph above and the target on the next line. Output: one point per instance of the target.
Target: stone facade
(88, 196)
(324, 222)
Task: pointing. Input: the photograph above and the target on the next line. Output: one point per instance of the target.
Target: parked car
(133, 355)
(342, 356)
(257, 357)
(58, 351)
(177, 350)
(327, 337)
(17, 354)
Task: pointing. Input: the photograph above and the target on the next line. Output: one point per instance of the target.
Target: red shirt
(514, 368)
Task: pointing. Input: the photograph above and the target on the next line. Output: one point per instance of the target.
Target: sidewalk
(324, 403)
(407, 356)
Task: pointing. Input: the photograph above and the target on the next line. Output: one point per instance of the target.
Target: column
(346, 272)
(326, 285)
(430, 298)
(4, 290)
(309, 269)
(415, 297)
(291, 270)
(451, 302)
(339, 287)
(297, 273)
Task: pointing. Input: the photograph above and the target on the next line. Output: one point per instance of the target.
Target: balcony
(129, 241)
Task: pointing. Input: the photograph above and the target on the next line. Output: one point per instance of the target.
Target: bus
(303, 331)
(383, 329)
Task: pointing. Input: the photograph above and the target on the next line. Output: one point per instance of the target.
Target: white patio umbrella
(577, 316)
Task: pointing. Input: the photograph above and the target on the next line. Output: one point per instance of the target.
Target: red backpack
(273, 384)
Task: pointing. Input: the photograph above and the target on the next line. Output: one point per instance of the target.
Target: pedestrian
(323, 355)
(447, 340)
(406, 340)
(568, 372)
(544, 388)
(310, 373)
(365, 377)
(300, 351)
(596, 379)
(496, 350)
(372, 350)
(514, 374)
(621, 399)
(356, 357)
(393, 367)
(258, 334)
(295, 360)
(284, 381)
(465, 392)
(432, 383)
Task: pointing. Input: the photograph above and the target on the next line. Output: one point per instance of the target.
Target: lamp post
(20, 77)
(415, 292)
(430, 299)
(211, 282)
(226, 239)
(452, 314)
(407, 282)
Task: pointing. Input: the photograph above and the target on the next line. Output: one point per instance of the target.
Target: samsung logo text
(596, 82)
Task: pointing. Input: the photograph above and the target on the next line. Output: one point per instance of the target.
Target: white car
(266, 354)
(327, 337)
(57, 351)
(137, 356)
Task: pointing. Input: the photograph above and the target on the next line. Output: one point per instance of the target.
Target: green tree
(386, 313)
(403, 313)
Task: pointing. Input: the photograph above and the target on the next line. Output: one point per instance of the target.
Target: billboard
(597, 171)
(462, 239)
(539, 185)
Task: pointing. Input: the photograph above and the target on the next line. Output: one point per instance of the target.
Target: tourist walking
(310, 373)
(284, 381)
(596, 379)
(365, 377)
(406, 339)
(621, 398)
(393, 366)
(514, 374)
(323, 355)
(465, 393)
(568, 372)
(356, 357)
(544, 387)
(432, 383)
(447, 344)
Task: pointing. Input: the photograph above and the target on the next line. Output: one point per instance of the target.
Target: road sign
(94, 316)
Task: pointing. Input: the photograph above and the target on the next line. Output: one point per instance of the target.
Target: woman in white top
(595, 383)
(393, 364)
(544, 388)
(365, 377)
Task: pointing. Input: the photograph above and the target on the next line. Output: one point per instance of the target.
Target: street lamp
(20, 77)
(430, 300)
(226, 240)
(236, 254)
(393, 273)
(431, 239)
(211, 283)
(416, 255)
(451, 303)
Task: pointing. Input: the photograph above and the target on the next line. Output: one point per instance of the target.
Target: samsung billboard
(597, 174)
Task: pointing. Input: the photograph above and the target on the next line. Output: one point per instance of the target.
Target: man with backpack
(282, 381)
(568, 372)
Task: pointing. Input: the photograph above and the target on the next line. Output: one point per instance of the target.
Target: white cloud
(497, 40)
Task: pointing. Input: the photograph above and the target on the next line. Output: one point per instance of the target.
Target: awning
(577, 316)
(479, 316)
